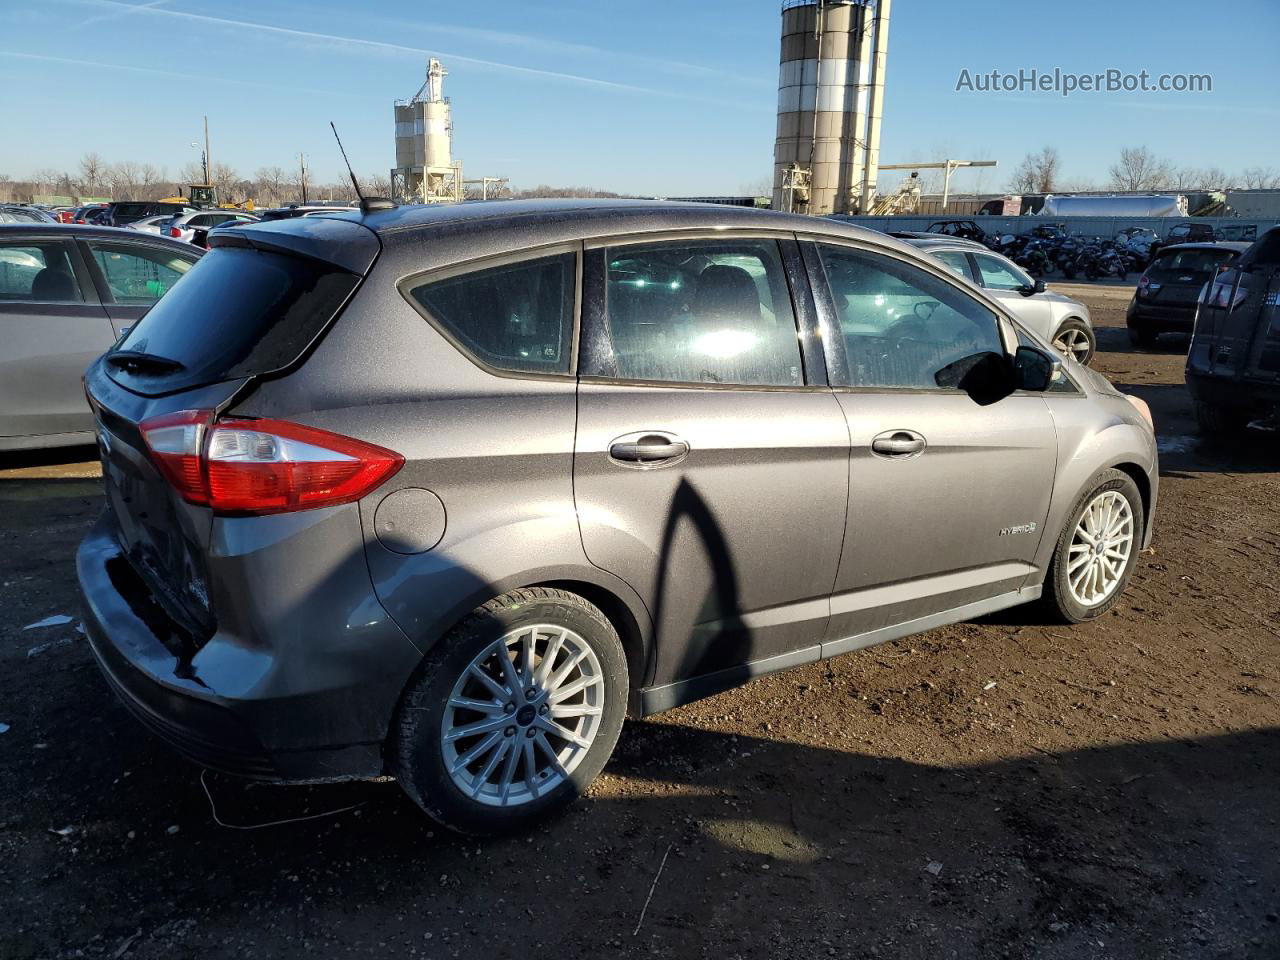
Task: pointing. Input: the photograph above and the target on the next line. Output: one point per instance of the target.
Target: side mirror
(1033, 369)
(1032, 289)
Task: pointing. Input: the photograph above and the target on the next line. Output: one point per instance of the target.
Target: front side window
(902, 327)
(516, 317)
(137, 274)
(997, 275)
(707, 312)
(36, 271)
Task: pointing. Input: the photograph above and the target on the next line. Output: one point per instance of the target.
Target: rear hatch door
(1182, 273)
(250, 308)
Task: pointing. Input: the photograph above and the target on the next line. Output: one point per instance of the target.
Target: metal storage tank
(830, 83)
(424, 169)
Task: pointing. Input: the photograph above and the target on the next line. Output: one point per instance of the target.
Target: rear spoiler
(346, 244)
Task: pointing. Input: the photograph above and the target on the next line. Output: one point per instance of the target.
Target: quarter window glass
(37, 272)
(516, 317)
(702, 312)
(957, 263)
(900, 324)
(136, 274)
(1000, 276)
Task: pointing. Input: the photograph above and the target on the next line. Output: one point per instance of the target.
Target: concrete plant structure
(425, 171)
(830, 100)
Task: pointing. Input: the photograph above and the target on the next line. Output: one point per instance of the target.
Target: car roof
(959, 243)
(1239, 246)
(483, 227)
(8, 230)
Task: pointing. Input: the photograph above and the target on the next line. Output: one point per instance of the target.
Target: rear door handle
(898, 444)
(647, 448)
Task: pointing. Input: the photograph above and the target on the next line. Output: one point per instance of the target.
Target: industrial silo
(424, 170)
(830, 92)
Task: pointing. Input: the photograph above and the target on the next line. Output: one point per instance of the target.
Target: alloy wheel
(1074, 343)
(1100, 548)
(522, 715)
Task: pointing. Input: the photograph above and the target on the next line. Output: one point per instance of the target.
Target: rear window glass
(37, 271)
(1198, 264)
(516, 317)
(236, 313)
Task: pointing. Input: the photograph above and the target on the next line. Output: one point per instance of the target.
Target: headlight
(1141, 406)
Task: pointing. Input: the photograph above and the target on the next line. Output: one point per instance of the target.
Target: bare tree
(1259, 178)
(224, 177)
(1037, 173)
(124, 178)
(91, 171)
(270, 185)
(1139, 169)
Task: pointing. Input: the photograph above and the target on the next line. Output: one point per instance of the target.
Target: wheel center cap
(1099, 547)
(525, 715)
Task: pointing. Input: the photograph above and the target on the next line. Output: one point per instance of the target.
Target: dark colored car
(445, 492)
(67, 293)
(128, 211)
(1165, 299)
(962, 229)
(1233, 366)
(298, 210)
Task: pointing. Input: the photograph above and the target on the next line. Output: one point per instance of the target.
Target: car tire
(1076, 339)
(1072, 592)
(1221, 424)
(432, 732)
(1142, 337)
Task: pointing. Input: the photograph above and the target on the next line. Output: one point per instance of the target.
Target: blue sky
(667, 97)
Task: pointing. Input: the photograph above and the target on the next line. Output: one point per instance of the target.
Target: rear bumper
(243, 709)
(1177, 318)
(1233, 392)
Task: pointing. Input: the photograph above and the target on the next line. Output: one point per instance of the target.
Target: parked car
(1165, 298)
(963, 229)
(80, 213)
(1233, 366)
(1064, 322)
(97, 217)
(157, 225)
(201, 236)
(16, 213)
(184, 226)
(66, 294)
(445, 492)
(123, 213)
(298, 210)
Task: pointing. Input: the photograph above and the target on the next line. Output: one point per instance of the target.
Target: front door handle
(898, 444)
(649, 448)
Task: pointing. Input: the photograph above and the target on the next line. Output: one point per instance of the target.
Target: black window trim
(598, 344)
(406, 284)
(103, 288)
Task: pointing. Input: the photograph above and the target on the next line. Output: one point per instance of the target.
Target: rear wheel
(1097, 549)
(1075, 339)
(1219, 423)
(1142, 337)
(512, 714)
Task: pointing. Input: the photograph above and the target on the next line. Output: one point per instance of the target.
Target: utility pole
(208, 162)
(302, 167)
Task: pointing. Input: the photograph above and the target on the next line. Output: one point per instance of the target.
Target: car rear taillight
(175, 232)
(250, 467)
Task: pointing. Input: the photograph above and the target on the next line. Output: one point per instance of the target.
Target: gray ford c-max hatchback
(445, 493)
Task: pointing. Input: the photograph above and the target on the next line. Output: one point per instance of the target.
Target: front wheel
(1075, 339)
(1221, 424)
(513, 713)
(1097, 549)
(1142, 337)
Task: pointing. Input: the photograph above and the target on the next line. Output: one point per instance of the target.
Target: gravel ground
(1002, 788)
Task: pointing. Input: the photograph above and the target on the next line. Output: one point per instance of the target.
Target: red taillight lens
(175, 232)
(175, 442)
(264, 466)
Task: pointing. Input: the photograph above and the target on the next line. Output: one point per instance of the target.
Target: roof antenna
(366, 205)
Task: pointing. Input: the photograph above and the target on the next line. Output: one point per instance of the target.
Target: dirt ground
(995, 789)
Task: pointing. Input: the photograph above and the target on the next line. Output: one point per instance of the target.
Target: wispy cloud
(117, 14)
(367, 44)
(204, 78)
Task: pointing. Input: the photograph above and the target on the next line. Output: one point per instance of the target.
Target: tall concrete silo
(830, 92)
(425, 171)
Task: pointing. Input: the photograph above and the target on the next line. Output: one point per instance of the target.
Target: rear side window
(999, 276)
(136, 273)
(33, 271)
(236, 313)
(516, 317)
(956, 262)
(716, 312)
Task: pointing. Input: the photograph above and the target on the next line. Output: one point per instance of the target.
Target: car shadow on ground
(1115, 340)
